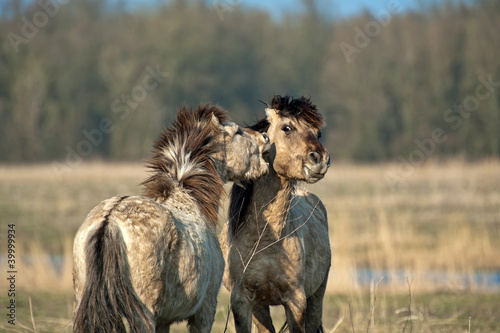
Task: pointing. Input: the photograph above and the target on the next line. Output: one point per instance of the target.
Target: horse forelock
(181, 158)
(300, 108)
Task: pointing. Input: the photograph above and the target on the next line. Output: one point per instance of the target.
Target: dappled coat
(154, 260)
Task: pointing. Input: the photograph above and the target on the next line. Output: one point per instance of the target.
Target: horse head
(240, 156)
(294, 131)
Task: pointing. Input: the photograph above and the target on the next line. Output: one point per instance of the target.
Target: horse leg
(242, 312)
(203, 319)
(262, 319)
(295, 309)
(314, 310)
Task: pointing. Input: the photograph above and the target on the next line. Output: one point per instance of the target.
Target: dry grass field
(405, 258)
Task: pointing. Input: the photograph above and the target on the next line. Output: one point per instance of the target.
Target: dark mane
(242, 191)
(238, 205)
(299, 108)
(181, 158)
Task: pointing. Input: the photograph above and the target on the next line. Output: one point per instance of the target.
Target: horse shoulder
(306, 206)
(312, 218)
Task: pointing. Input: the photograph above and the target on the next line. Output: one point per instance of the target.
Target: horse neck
(220, 159)
(181, 203)
(270, 201)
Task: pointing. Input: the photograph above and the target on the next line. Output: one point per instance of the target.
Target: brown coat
(276, 245)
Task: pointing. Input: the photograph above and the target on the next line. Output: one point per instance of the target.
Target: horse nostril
(314, 157)
(267, 143)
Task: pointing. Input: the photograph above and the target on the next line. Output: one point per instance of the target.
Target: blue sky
(277, 8)
(335, 8)
(330, 8)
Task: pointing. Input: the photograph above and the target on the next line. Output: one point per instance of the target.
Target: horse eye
(239, 131)
(319, 135)
(287, 129)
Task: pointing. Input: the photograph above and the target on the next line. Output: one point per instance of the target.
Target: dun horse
(276, 243)
(144, 262)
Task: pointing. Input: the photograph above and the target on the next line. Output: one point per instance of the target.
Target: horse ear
(272, 115)
(215, 122)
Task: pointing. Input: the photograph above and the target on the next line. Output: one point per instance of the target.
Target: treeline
(86, 79)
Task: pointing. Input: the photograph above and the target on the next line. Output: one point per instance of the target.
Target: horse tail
(108, 297)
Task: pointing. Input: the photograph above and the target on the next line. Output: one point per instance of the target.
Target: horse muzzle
(316, 166)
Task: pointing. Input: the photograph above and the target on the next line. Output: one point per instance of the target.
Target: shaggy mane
(181, 158)
(299, 108)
